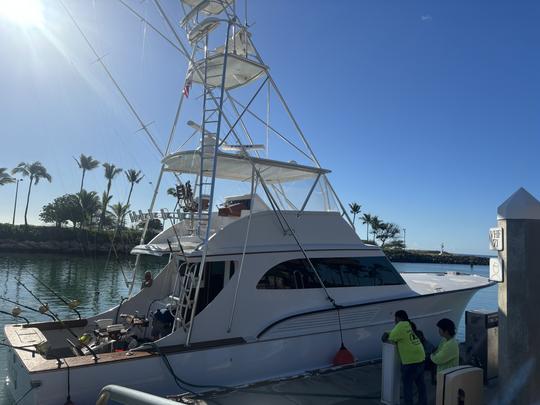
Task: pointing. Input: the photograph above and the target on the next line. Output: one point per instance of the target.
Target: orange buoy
(343, 356)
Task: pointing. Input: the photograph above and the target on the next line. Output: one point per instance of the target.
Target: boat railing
(123, 395)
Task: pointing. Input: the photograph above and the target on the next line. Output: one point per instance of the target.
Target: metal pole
(404, 238)
(15, 204)
(137, 260)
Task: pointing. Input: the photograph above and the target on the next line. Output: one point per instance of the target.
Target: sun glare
(26, 13)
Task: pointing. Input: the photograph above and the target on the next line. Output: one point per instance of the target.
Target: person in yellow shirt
(447, 353)
(412, 356)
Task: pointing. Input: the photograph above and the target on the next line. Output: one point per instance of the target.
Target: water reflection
(98, 284)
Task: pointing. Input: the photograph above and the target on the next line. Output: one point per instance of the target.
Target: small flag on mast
(187, 87)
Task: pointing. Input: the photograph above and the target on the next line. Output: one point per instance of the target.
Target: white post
(391, 374)
(519, 300)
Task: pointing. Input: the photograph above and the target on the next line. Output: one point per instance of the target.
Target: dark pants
(413, 374)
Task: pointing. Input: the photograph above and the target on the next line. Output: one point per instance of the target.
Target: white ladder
(185, 300)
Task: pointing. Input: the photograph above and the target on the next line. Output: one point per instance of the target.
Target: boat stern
(19, 383)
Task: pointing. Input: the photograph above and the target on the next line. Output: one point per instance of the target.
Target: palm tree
(134, 177)
(376, 224)
(86, 163)
(366, 220)
(36, 171)
(105, 201)
(173, 192)
(90, 205)
(110, 172)
(5, 178)
(355, 210)
(119, 212)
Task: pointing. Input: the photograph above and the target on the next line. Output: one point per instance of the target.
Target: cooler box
(461, 385)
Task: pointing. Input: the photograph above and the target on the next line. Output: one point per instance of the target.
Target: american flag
(187, 87)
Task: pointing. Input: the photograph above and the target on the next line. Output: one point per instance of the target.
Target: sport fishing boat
(266, 276)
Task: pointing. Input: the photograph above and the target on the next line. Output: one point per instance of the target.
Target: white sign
(495, 269)
(496, 240)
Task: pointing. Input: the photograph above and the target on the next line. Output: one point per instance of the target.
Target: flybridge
(240, 167)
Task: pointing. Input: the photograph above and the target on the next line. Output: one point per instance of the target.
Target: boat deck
(25, 337)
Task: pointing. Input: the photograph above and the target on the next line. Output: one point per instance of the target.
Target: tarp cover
(239, 167)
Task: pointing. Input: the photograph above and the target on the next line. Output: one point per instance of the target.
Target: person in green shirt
(412, 356)
(447, 353)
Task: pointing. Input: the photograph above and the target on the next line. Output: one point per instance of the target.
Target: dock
(345, 386)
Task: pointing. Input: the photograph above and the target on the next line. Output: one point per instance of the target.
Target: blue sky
(427, 113)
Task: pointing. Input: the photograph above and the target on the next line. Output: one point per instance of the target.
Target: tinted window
(334, 272)
(289, 275)
(212, 282)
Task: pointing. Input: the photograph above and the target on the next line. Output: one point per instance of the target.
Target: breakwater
(47, 239)
(430, 256)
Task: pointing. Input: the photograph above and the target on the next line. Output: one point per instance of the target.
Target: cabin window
(334, 272)
(216, 276)
(292, 274)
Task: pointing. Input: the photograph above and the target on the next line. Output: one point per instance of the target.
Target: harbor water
(99, 284)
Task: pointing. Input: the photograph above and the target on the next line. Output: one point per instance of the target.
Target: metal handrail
(129, 396)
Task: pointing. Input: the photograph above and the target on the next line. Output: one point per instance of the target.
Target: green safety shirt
(409, 346)
(446, 355)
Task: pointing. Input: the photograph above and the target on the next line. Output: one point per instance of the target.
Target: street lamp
(15, 204)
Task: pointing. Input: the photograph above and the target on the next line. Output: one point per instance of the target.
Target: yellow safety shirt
(409, 346)
(446, 355)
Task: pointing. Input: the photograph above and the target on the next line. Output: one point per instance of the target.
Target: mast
(233, 66)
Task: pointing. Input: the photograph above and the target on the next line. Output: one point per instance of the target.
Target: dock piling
(519, 300)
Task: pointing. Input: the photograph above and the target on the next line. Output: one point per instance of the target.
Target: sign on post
(496, 240)
(495, 269)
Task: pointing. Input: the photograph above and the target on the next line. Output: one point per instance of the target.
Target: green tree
(35, 171)
(119, 212)
(5, 178)
(104, 219)
(134, 177)
(355, 210)
(366, 220)
(89, 206)
(172, 191)
(397, 244)
(375, 226)
(62, 209)
(110, 173)
(86, 163)
(154, 224)
(386, 231)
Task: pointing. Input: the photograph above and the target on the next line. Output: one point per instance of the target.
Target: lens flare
(25, 13)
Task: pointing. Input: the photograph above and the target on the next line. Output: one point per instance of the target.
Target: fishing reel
(135, 320)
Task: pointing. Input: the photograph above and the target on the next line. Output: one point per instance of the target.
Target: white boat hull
(264, 358)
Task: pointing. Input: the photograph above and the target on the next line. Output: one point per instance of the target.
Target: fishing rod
(36, 297)
(73, 304)
(15, 316)
(43, 309)
(59, 320)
